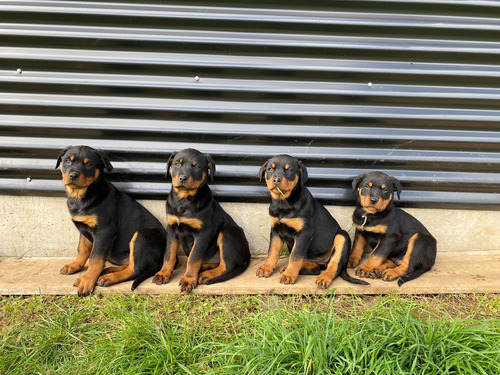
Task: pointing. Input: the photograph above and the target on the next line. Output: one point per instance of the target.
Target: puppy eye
(67, 161)
(197, 166)
(270, 169)
(367, 186)
(177, 164)
(89, 164)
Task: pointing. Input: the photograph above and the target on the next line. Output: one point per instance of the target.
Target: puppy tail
(412, 275)
(350, 279)
(226, 276)
(141, 278)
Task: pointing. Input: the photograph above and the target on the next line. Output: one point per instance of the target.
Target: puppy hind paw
(353, 262)
(70, 269)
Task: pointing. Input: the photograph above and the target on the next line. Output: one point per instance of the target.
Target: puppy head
(189, 169)
(283, 174)
(80, 167)
(376, 190)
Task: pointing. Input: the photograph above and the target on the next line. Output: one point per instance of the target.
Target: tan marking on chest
(191, 222)
(296, 223)
(89, 220)
(380, 229)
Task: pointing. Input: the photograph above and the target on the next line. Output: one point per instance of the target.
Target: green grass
(172, 334)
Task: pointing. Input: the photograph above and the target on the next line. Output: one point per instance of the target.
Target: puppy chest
(181, 224)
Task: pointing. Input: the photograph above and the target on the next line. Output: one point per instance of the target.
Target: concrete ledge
(471, 272)
(41, 227)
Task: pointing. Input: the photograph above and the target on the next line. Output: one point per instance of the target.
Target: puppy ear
(59, 158)
(303, 172)
(104, 159)
(169, 162)
(262, 170)
(396, 186)
(211, 166)
(357, 181)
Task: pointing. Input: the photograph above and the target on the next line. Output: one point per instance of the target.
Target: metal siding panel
(409, 88)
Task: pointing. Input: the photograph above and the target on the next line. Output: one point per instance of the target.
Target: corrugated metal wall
(408, 87)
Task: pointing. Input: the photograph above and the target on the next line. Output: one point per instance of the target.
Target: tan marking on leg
(163, 276)
(393, 273)
(291, 274)
(208, 266)
(367, 269)
(123, 273)
(87, 282)
(357, 251)
(190, 279)
(272, 259)
(309, 266)
(113, 269)
(83, 254)
(325, 279)
(387, 264)
(220, 269)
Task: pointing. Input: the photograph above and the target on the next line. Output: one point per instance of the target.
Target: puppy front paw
(323, 281)
(265, 271)
(188, 284)
(288, 278)
(84, 286)
(161, 277)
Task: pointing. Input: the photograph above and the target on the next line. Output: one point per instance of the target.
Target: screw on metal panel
(28, 179)
(196, 78)
(19, 71)
(370, 84)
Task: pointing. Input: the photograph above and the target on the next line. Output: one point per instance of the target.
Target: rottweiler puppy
(403, 248)
(113, 227)
(304, 225)
(216, 246)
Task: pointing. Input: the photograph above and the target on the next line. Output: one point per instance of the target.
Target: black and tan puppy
(216, 246)
(304, 225)
(403, 248)
(113, 227)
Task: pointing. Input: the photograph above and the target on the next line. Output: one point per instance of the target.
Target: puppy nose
(277, 180)
(183, 178)
(74, 175)
(373, 200)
